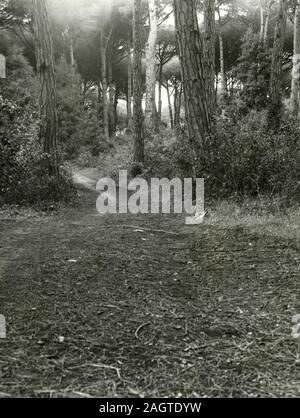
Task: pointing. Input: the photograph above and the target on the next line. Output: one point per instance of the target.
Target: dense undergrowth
(241, 159)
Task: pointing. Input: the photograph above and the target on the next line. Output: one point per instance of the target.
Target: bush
(241, 159)
(79, 124)
(246, 159)
(24, 178)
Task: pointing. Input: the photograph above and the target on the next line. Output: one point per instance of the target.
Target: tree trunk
(267, 22)
(177, 103)
(150, 113)
(46, 73)
(111, 94)
(116, 102)
(170, 104)
(100, 103)
(223, 81)
(275, 107)
(160, 77)
(210, 51)
(176, 119)
(294, 100)
(104, 87)
(129, 88)
(139, 152)
(71, 39)
(262, 22)
(190, 50)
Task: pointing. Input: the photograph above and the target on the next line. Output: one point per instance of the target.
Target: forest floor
(132, 306)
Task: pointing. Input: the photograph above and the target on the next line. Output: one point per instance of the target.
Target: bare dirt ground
(144, 306)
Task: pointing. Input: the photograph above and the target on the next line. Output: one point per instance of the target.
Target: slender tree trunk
(104, 87)
(176, 120)
(160, 77)
(116, 102)
(111, 94)
(71, 39)
(139, 152)
(267, 22)
(217, 87)
(275, 107)
(46, 72)
(129, 88)
(223, 81)
(295, 90)
(150, 113)
(179, 106)
(210, 50)
(170, 104)
(72, 61)
(190, 50)
(100, 103)
(177, 103)
(262, 22)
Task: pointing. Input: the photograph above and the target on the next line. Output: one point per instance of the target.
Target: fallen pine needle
(140, 328)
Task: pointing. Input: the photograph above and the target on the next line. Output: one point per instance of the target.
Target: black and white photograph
(149, 203)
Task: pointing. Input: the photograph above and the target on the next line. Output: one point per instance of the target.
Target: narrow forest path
(143, 306)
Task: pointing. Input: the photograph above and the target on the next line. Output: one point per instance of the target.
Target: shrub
(23, 176)
(247, 159)
(79, 124)
(242, 158)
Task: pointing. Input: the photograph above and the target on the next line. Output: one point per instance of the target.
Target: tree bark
(176, 119)
(46, 73)
(111, 95)
(160, 81)
(223, 81)
(262, 22)
(104, 87)
(267, 22)
(150, 113)
(71, 40)
(275, 107)
(170, 105)
(129, 88)
(210, 50)
(177, 103)
(139, 152)
(190, 50)
(294, 100)
(116, 102)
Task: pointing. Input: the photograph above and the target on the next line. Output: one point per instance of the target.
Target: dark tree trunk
(177, 103)
(129, 88)
(275, 107)
(170, 104)
(139, 153)
(104, 86)
(46, 74)
(116, 102)
(210, 51)
(190, 50)
(111, 94)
